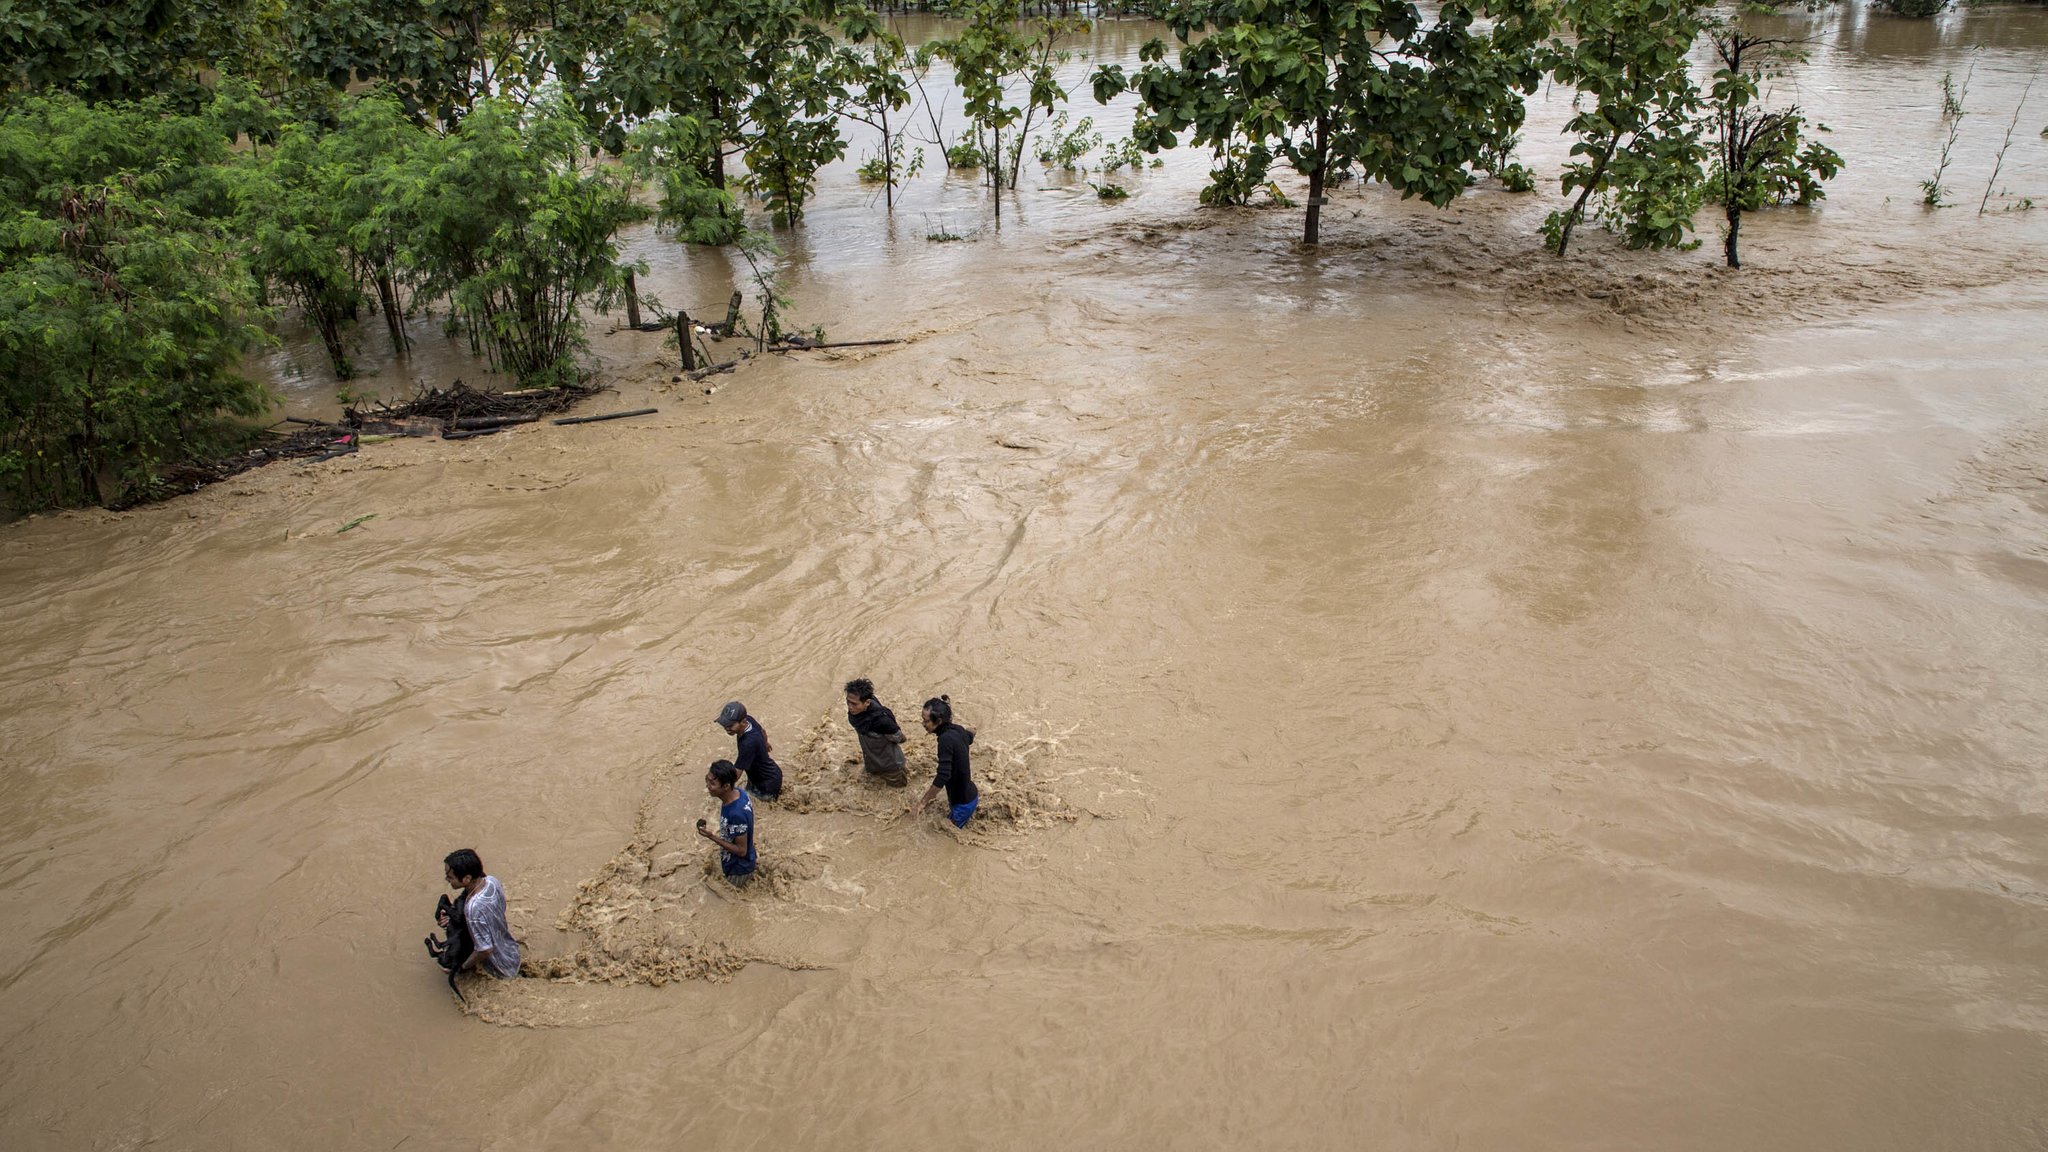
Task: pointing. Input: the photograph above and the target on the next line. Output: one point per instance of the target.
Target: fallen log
(713, 369)
(799, 344)
(607, 416)
(471, 434)
(477, 423)
(303, 420)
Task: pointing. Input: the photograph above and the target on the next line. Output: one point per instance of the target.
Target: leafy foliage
(1760, 151)
(518, 233)
(1064, 147)
(125, 49)
(1334, 85)
(998, 59)
(1639, 141)
(124, 308)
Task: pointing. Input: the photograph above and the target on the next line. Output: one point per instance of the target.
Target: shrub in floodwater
(1760, 152)
(1125, 153)
(995, 56)
(965, 153)
(125, 305)
(1110, 191)
(519, 233)
(1918, 9)
(1933, 192)
(1062, 147)
(878, 81)
(1998, 163)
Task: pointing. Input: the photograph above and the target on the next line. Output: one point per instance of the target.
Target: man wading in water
(483, 909)
(764, 775)
(881, 738)
(954, 774)
(735, 835)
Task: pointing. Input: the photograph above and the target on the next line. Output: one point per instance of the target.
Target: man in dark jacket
(763, 775)
(881, 738)
(955, 776)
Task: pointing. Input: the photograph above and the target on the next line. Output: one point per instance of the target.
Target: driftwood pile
(456, 412)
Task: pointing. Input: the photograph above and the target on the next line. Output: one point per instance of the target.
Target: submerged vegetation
(175, 173)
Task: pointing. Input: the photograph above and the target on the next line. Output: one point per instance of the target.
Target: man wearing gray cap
(762, 773)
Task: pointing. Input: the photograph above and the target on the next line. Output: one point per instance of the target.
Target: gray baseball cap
(731, 714)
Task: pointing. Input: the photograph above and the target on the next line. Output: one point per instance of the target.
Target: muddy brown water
(1439, 698)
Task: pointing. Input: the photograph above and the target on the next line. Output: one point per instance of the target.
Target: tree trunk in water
(387, 298)
(995, 175)
(1571, 220)
(330, 334)
(1734, 233)
(683, 340)
(888, 168)
(632, 302)
(1312, 229)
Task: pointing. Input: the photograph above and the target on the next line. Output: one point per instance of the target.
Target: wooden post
(632, 302)
(683, 334)
(732, 315)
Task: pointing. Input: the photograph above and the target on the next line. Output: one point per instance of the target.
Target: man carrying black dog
(482, 908)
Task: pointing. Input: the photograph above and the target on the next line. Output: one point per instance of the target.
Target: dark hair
(725, 772)
(939, 708)
(463, 863)
(861, 689)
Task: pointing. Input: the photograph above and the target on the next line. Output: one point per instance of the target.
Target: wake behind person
(763, 775)
(881, 738)
(738, 855)
(955, 774)
(482, 908)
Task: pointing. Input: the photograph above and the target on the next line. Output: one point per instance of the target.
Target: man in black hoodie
(954, 774)
(881, 738)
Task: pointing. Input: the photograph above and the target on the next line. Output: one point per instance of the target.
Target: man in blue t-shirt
(735, 835)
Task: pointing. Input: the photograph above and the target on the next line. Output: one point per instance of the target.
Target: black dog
(453, 953)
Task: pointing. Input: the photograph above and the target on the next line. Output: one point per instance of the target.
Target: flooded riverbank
(1467, 700)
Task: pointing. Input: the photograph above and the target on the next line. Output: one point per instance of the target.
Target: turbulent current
(1430, 695)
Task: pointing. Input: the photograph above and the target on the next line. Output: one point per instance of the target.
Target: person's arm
(939, 779)
(737, 846)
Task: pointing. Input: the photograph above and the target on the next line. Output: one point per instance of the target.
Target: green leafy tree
(669, 152)
(124, 306)
(879, 82)
(290, 208)
(1364, 86)
(440, 57)
(1760, 151)
(763, 79)
(1636, 117)
(373, 147)
(125, 49)
(1007, 71)
(511, 225)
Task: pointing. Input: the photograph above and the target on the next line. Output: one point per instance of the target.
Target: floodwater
(1431, 696)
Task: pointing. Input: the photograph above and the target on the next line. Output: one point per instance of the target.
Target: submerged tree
(290, 208)
(1340, 85)
(1763, 156)
(511, 225)
(1636, 117)
(1007, 72)
(879, 80)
